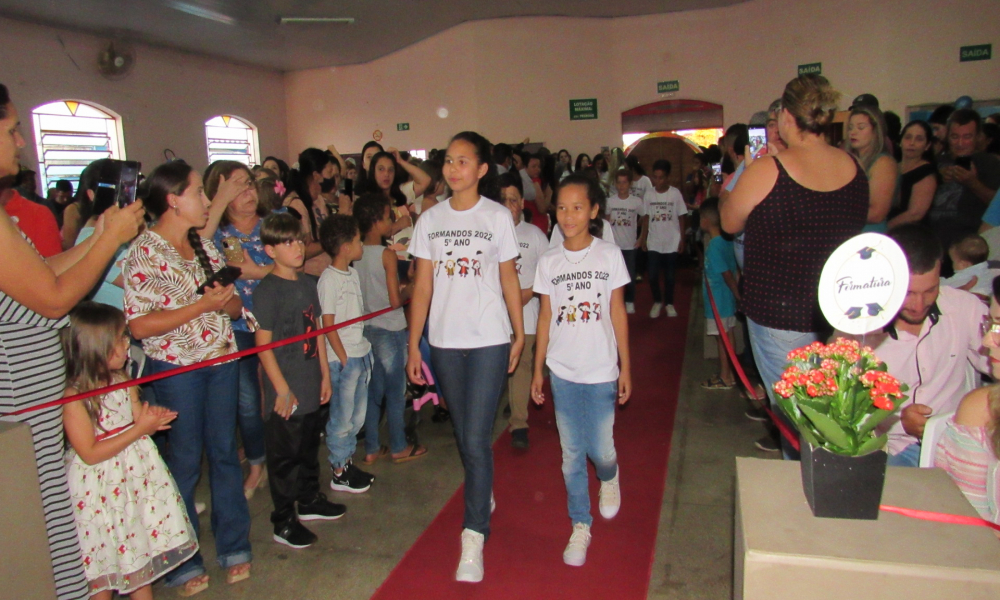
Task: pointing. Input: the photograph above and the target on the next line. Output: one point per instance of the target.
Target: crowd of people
(544, 248)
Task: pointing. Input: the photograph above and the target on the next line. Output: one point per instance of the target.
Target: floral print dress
(130, 519)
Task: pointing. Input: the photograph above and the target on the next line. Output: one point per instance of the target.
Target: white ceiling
(246, 31)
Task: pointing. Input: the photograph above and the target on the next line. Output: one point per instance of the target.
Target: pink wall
(513, 78)
(164, 102)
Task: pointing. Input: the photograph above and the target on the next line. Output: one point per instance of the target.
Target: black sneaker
(345, 483)
(519, 438)
(321, 509)
(768, 444)
(294, 535)
(356, 473)
(757, 414)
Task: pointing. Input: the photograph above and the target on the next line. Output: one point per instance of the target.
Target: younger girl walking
(130, 519)
(582, 281)
(466, 278)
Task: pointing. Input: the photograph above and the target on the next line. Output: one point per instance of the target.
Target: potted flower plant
(836, 395)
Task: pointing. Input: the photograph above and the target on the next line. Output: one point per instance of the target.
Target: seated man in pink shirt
(933, 345)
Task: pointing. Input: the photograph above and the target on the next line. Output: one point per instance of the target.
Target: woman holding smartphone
(180, 324)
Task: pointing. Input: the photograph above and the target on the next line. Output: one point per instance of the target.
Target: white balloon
(442, 112)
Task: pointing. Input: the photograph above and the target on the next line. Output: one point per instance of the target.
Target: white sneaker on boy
(630, 308)
(671, 311)
(575, 553)
(655, 312)
(609, 498)
(470, 566)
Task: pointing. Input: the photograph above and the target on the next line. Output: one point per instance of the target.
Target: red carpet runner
(530, 528)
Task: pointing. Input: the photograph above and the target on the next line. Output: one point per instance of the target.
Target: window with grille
(70, 135)
(231, 138)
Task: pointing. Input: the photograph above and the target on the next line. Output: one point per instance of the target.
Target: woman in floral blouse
(163, 272)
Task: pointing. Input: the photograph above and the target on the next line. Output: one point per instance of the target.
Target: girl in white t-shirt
(466, 279)
(583, 283)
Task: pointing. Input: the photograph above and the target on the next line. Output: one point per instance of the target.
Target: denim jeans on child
(471, 381)
(665, 264)
(388, 383)
(206, 405)
(250, 421)
(585, 417)
(347, 407)
(770, 352)
(629, 256)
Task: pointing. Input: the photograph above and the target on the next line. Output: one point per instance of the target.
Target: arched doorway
(671, 128)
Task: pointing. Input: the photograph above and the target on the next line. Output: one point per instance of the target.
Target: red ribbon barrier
(789, 435)
(793, 439)
(196, 366)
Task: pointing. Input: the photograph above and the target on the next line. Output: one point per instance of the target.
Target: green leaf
(807, 435)
(869, 424)
(872, 444)
(828, 428)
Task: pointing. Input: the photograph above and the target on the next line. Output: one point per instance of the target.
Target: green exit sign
(583, 109)
(980, 52)
(664, 87)
(402, 126)
(811, 69)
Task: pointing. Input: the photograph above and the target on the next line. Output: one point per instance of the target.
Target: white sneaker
(609, 498)
(656, 310)
(575, 553)
(470, 566)
(493, 504)
(630, 308)
(671, 311)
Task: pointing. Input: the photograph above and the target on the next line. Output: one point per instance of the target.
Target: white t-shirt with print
(664, 212)
(607, 234)
(640, 186)
(340, 296)
(532, 245)
(624, 213)
(465, 249)
(582, 346)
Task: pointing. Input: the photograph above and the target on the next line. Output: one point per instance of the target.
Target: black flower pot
(842, 487)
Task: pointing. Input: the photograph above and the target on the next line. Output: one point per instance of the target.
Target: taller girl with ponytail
(165, 268)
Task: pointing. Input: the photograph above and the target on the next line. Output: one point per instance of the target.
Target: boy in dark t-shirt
(297, 383)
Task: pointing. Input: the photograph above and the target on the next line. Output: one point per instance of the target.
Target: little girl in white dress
(130, 519)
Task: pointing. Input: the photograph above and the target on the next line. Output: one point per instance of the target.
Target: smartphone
(758, 140)
(349, 187)
(232, 248)
(965, 162)
(717, 172)
(116, 184)
(225, 276)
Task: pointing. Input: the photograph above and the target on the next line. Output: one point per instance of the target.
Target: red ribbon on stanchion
(793, 440)
(790, 437)
(196, 366)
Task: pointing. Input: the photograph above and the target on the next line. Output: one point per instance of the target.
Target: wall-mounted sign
(863, 284)
(582, 109)
(377, 135)
(664, 87)
(811, 69)
(402, 126)
(980, 52)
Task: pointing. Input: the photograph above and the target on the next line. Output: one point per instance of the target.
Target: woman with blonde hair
(866, 142)
(796, 208)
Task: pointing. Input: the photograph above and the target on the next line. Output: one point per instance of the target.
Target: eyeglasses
(992, 327)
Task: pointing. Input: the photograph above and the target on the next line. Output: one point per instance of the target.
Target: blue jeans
(389, 382)
(665, 263)
(250, 422)
(907, 457)
(347, 407)
(585, 417)
(471, 380)
(206, 405)
(629, 256)
(770, 351)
